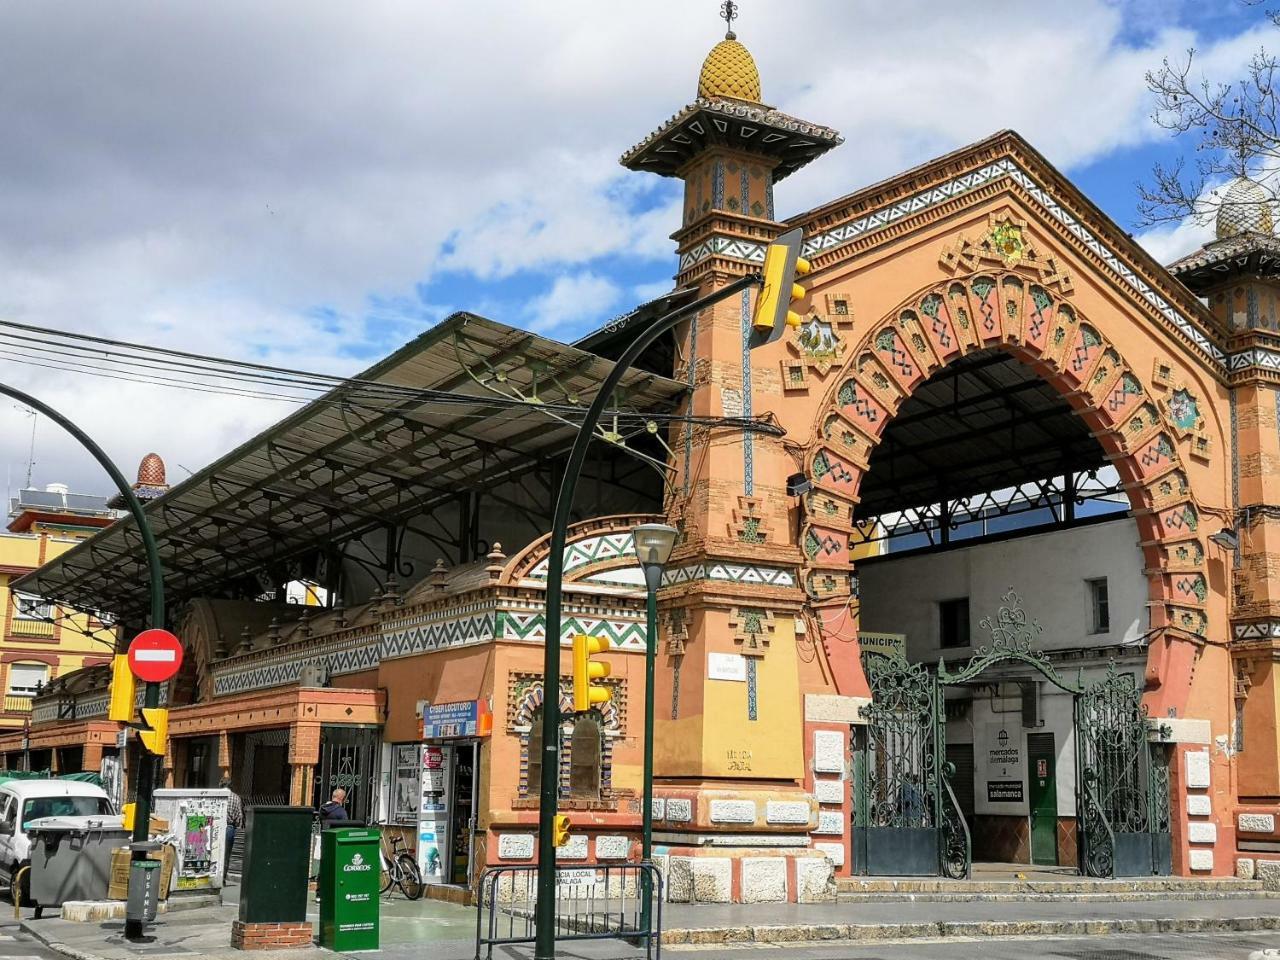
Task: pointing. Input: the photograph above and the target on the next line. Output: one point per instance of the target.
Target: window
(533, 781)
(1099, 605)
(38, 807)
(28, 607)
(585, 752)
(953, 622)
(405, 795)
(25, 679)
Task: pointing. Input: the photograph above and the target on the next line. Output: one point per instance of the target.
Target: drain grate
(1089, 953)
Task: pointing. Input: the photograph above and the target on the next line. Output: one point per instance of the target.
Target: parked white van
(24, 801)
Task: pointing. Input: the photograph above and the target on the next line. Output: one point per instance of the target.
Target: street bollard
(144, 886)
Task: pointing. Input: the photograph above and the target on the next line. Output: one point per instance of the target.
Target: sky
(312, 184)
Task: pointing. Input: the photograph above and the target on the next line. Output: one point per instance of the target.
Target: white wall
(1049, 570)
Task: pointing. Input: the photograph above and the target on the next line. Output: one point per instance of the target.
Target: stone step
(1030, 896)
(813, 933)
(914, 885)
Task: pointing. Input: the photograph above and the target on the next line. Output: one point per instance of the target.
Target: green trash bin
(276, 866)
(350, 882)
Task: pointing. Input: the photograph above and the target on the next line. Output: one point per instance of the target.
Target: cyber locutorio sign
(466, 718)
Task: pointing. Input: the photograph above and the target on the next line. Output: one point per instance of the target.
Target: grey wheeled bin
(71, 858)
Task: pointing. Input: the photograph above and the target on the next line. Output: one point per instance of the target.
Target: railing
(957, 845)
(31, 628)
(592, 903)
(1099, 838)
(17, 703)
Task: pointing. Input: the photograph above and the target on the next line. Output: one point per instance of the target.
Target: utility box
(277, 865)
(350, 883)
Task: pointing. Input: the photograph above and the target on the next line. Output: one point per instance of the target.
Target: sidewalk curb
(774, 934)
(57, 946)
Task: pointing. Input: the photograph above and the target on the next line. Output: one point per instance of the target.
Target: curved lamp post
(548, 795)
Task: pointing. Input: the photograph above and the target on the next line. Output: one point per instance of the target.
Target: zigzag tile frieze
(731, 573)
(610, 546)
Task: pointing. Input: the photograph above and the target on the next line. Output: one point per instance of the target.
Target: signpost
(155, 656)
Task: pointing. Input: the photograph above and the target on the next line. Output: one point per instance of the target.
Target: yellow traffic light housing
(585, 694)
(560, 830)
(155, 738)
(123, 690)
(780, 293)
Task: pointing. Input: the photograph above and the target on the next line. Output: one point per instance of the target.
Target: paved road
(1174, 947)
(16, 945)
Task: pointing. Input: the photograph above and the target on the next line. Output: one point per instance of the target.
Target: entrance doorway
(462, 813)
(908, 820)
(1043, 798)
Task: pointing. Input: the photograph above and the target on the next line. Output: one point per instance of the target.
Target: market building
(976, 563)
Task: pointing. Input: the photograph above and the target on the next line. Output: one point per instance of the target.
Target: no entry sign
(155, 656)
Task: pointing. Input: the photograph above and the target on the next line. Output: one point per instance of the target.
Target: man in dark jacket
(334, 811)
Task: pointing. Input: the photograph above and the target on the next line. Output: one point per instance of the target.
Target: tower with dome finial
(729, 148)
(151, 481)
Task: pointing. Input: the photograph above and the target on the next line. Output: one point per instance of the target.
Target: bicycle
(400, 868)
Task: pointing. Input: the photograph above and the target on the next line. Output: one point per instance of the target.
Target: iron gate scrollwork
(897, 771)
(907, 821)
(1124, 785)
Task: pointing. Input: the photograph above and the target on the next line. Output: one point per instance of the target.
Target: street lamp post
(545, 907)
(654, 543)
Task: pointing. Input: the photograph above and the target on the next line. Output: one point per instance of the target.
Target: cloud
(311, 184)
(571, 299)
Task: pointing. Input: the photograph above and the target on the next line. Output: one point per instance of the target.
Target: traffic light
(157, 719)
(585, 670)
(559, 830)
(779, 293)
(123, 688)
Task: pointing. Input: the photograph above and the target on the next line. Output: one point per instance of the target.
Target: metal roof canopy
(985, 422)
(345, 464)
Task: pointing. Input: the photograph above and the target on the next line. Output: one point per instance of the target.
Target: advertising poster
(433, 813)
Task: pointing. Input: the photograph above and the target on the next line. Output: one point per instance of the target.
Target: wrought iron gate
(907, 821)
(348, 759)
(896, 771)
(1123, 783)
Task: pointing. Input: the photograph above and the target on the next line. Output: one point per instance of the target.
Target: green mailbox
(350, 882)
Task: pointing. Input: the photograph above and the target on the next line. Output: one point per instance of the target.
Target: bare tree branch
(1234, 127)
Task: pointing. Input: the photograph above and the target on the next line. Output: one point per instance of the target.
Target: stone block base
(270, 936)
(747, 876)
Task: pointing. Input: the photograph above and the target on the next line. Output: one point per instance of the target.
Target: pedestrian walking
(235, 821)
(334, 811)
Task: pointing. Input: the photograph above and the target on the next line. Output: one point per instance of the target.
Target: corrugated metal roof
(350, 462)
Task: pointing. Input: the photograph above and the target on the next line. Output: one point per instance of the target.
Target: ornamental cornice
(909, 199)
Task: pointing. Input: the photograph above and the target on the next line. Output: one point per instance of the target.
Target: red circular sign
(155, 655)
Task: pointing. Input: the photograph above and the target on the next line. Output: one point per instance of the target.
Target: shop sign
(467, 718)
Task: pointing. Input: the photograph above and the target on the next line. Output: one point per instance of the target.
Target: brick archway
(1016, 314)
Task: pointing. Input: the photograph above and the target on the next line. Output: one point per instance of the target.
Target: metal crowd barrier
(592, 903)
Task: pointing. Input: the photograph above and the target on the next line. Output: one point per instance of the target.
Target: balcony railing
(16, 703)
(31, 628)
